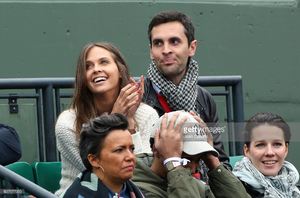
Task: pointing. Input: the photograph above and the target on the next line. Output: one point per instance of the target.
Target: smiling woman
(264, 171)
(102, 85)
(106, 149)
(100, 72)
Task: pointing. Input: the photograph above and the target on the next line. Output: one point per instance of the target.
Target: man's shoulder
(150, 97)
(147, 80)
(205, 105)
(147, 85)
(204, 97)
(202, 92)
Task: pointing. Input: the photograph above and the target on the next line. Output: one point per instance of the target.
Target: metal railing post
(41, 135)
(49, 123)
(231, 144)
(238, 114)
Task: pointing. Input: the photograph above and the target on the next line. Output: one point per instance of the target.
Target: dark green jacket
(180, 183)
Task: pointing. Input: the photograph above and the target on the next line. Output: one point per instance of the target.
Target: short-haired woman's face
(102, 72)
(267, 150)
(117, 157)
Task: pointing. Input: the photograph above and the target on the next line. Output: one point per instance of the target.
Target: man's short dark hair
(172, 16)
(94, 133)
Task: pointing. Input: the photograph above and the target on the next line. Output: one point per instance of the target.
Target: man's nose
(166, 49)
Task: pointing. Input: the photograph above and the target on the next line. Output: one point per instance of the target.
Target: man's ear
(192, 48)
(150, 51)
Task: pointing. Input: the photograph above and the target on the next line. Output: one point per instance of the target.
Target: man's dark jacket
(206, 108)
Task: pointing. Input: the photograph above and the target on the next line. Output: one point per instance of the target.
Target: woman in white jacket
(102, 85)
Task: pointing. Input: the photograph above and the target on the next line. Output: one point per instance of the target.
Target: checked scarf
(183, 96)
(282, 185)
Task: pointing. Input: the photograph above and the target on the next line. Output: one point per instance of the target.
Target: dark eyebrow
(175, 38)
(156, 40)
(124, 146)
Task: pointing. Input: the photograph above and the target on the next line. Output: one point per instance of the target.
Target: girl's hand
(129, 98)
(140, 92)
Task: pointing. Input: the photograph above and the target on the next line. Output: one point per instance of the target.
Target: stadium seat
(22, 168)
(47, 175)
(234, 159)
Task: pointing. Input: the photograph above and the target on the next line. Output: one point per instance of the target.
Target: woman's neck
(113, 185)
(105, 102)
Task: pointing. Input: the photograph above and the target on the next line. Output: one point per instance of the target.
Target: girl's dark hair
(82, 102)
(94, 133)
(266, 118)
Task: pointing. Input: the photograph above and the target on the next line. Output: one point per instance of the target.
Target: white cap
(194, 137)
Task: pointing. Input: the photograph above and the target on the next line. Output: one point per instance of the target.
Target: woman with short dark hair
(106, 149)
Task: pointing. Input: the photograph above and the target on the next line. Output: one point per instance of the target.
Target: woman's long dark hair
(82, 101)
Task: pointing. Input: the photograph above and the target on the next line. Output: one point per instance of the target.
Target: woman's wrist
(131, 125)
